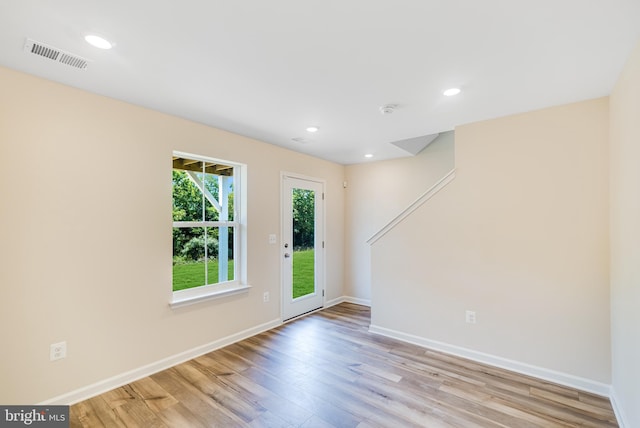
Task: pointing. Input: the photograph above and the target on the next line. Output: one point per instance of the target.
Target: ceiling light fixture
(98, 42)
(368, 155)
(451, 92)
(312, 129)
(388, 108)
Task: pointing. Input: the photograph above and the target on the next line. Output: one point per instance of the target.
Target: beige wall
(86, 236)
(625, 240)
(376, 193)
(520, 236)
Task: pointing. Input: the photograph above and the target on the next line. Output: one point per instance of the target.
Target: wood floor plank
(94, 412)
(137, 414)
(550, 409)
(154, 396)
(200, 405)
(326, 370)
(119, 396)
(596, 412)
(179, 416)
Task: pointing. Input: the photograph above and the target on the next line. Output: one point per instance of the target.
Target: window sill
(184, 299)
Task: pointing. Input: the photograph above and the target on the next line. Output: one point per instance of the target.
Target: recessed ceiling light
(368, 155)
(451, 92)
(312, 129)
(98, 42)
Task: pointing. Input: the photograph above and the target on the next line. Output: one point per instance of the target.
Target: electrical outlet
(265, 297)
(470, 317)
(58, 351)
(272, 238)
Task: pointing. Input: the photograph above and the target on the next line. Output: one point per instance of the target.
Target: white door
(302, 246)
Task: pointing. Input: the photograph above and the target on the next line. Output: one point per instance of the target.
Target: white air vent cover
(55, 54)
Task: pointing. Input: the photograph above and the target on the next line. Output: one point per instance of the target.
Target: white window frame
(239, 223)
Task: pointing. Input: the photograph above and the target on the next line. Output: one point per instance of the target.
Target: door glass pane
(303, 203)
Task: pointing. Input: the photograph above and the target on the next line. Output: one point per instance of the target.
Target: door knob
(287, 255)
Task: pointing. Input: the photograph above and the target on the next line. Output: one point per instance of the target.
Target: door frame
(321, 270)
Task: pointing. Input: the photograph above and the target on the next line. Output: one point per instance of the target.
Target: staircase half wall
(520, 237)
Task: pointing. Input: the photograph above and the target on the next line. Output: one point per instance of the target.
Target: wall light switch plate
(470, 317)
(58, 351)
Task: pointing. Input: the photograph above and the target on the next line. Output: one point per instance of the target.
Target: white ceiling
(269, 69)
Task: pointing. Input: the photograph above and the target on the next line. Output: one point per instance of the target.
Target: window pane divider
(205, 224)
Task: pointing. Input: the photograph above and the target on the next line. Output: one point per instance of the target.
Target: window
(207, 227)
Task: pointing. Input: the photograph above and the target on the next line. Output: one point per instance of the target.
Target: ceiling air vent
(55, 54)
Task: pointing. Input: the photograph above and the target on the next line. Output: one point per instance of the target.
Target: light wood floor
(326, 370)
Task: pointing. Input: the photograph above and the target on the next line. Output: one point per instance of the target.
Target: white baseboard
(620, 415)
(358, 301)
(149, 369)
(565, 379)
(347, 299)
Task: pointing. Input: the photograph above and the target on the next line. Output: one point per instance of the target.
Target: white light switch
(272, 238)
(470, 317)
(58, 351)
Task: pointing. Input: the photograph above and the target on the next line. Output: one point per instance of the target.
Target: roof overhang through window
(197, 165)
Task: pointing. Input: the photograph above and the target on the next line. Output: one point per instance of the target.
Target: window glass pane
(210, 211)
(226, 185)
(221, 267)
(188, 258)
(202, 191)
(220, 189)
(187, 197)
